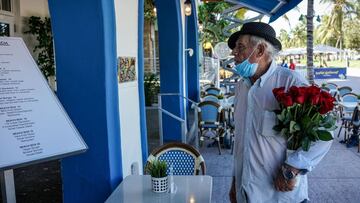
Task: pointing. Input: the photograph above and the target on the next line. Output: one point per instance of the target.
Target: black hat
(259, 29)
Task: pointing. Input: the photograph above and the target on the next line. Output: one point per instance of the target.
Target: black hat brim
(234, 37)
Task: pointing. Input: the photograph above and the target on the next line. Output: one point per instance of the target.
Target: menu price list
(16, 100)
(33, 124)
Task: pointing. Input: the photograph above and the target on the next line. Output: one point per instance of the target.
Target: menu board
(34, 126)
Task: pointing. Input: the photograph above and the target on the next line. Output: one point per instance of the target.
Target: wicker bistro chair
(229, 127)
(344, 90)
(333, 88)
(353, 129)
(331, 85)
(213, 90)
(346, 113)
(209, 114)
(210, 97)
(184, 159)
(208, 85)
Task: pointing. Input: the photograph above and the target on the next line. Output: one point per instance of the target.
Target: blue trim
(144, 142)
(171, 64)
(192, 63)
(85, 47)
(268, 5)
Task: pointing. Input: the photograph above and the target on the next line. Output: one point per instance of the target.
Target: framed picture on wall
(126, 69)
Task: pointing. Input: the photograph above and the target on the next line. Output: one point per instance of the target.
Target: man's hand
(232, 193)
(283, 185)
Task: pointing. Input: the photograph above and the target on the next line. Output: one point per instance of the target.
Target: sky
(294, 15)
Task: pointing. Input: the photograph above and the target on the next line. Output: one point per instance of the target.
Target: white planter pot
(159, 184)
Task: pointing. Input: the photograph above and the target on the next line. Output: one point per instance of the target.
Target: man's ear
(260, 50)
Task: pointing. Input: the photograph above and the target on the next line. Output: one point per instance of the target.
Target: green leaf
(281, 116)
(332, 128)
(284, 131)
(293, 127)
(328, 121)
(305, 122)
(305, 143)
(324, 135)
(288, 117)
(313, 136)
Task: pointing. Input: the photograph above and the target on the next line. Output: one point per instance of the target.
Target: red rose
(278, 92)
(314, 99)
(313, 90)
(298, 94)
(287, 100)
(313, 93)
(326, 102)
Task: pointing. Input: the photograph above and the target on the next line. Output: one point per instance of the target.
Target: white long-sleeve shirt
(259, 150)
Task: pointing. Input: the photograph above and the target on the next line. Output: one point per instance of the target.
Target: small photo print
(126, 69)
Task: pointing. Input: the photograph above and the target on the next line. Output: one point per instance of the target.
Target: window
(5, 5)
(4, 30)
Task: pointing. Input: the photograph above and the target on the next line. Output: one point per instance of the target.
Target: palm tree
(334, 24)
(310, 36)
(285, 38)
(299, 35)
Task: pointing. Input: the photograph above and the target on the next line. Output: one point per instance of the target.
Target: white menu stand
(7, 186)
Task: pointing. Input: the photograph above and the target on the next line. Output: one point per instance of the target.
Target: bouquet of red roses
(304, 115)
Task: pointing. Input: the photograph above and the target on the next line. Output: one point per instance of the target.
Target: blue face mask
(245, 68)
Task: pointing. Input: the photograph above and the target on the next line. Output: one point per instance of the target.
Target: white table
(137, 189)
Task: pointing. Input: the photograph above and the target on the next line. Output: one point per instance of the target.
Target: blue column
(85, 47)
(144, 143)
(171, 64)
(192, 63)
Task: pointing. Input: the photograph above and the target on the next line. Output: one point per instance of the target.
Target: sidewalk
(335, 180)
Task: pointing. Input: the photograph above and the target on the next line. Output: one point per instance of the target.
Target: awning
(318, 49)
(272, 8)
(326, 49)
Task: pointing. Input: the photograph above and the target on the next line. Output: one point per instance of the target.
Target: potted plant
(151, 88)
(159, 180)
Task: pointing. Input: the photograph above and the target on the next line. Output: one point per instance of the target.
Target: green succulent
(157, 168)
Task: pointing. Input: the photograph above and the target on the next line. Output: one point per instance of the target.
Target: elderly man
(262, 172)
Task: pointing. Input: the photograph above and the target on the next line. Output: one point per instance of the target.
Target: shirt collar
(268, 73)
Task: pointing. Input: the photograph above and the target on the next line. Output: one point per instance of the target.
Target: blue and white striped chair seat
(182, 162)
(183, 158)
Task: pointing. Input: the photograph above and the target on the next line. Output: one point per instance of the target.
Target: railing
(184, 131)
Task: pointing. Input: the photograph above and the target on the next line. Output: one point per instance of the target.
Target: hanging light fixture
(187, 7)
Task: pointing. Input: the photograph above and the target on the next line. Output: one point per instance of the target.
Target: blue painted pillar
(192, 63)
(144, 143)
(85, 47)
(171, 64)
